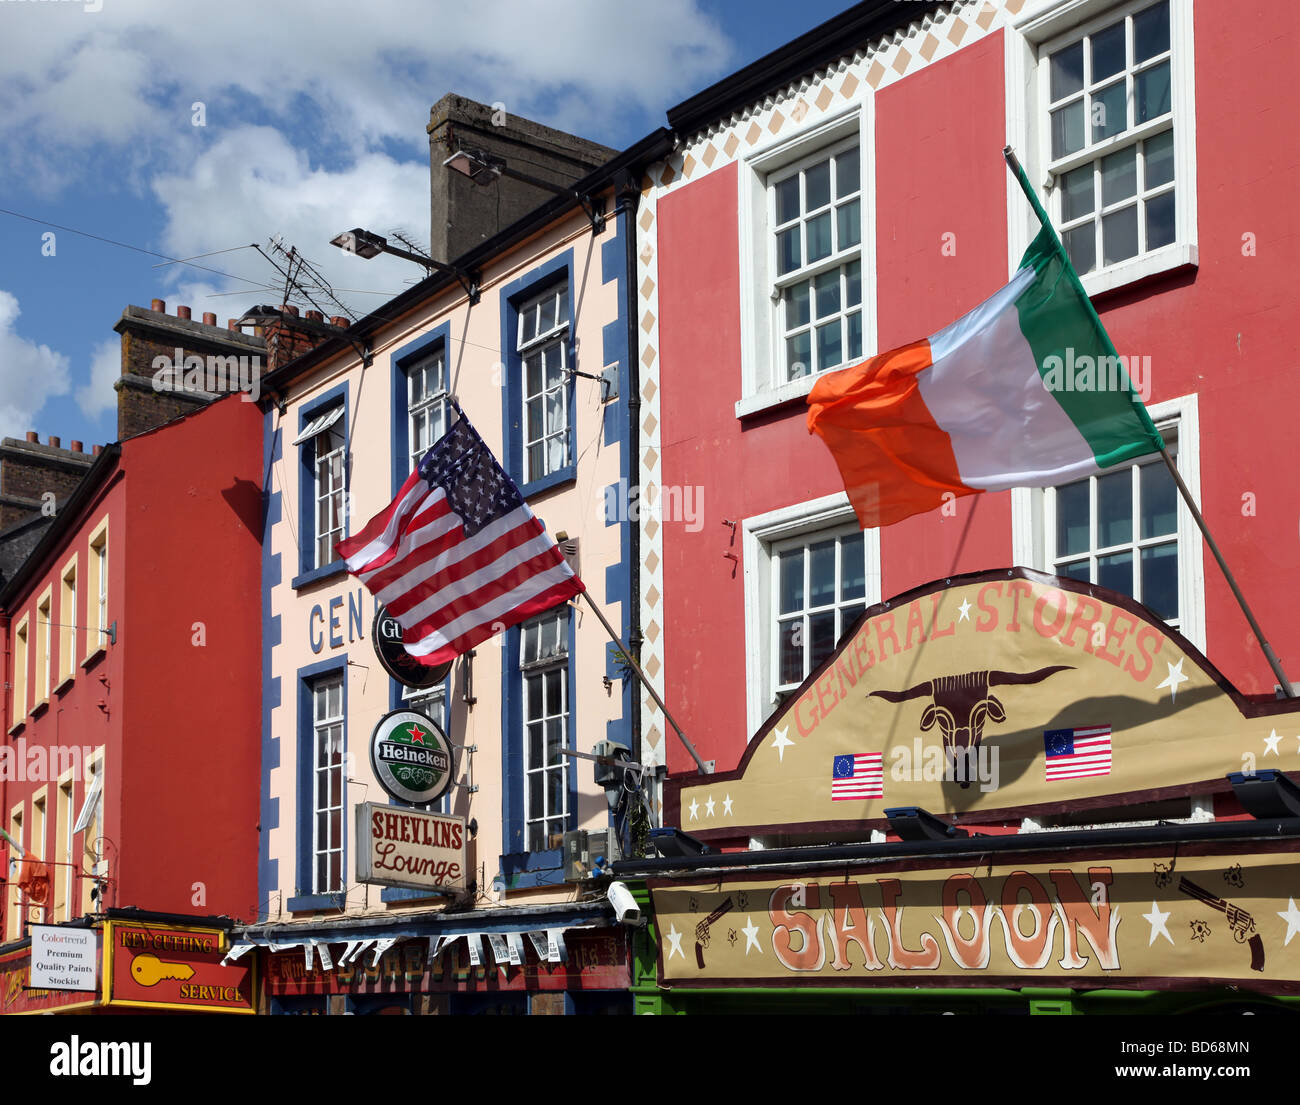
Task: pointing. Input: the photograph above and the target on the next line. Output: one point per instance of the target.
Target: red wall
(1221, 332)
(190, 771)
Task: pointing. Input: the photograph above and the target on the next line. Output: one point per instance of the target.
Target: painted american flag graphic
(1076, 753)
(857, 776)
(458, 556)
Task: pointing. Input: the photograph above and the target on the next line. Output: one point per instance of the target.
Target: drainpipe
(627, 198)
(6, 622)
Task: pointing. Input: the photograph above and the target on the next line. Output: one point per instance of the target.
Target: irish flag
(1024, 391)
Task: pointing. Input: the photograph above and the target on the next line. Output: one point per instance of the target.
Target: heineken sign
(386, 635)
(411, 757)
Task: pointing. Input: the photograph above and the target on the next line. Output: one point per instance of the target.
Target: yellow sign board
(1072, 922)
(988, 697)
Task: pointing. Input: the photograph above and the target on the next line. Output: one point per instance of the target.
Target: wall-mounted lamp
(482, 168)
(367, 244)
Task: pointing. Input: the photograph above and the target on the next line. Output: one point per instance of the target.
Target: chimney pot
(183, 312)
(159, 305)
(76, 446)
(340, 321)
(33, 436)
(54, 441)
(95, 450)
(289, 309)
(232, 324)
(316, 316)
(209, 318)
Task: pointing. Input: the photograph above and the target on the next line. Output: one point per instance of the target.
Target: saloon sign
(410, 848)
(1194, 918)
(411, 757)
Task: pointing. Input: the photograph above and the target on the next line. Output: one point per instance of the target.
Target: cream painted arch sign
(987, 696)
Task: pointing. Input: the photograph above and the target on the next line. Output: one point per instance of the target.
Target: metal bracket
(595, 215)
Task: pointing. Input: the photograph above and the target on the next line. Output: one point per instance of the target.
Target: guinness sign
(386, 633)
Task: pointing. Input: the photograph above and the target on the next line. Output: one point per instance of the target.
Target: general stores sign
(410, 848)
(990, 697)
(1194, 919)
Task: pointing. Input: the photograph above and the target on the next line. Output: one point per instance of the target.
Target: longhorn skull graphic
(961, 704)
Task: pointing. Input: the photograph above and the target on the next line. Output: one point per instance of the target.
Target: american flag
(1075, 753)
(458, 556)
(859, 776)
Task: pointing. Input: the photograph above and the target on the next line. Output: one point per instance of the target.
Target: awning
(319, 424)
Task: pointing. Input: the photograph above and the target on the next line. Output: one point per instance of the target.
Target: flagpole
(631, 661)
(1017, 170)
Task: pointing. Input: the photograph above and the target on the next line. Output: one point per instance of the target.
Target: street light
(482, 168)
(367, 244)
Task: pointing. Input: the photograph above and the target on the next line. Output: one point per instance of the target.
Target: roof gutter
(980, 848)
(842, 35)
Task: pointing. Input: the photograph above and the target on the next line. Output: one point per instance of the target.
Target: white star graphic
(751, 936)
(674, 943)
(1271, 743)
(726, 806)
(695, 810)
(965, 610)
(708, 807)
(1174, 679)
(1292, 919)
(782, 742)
(1157, 920)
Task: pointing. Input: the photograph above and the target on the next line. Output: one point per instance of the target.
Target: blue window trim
(306, 678)
(396, 702)
(520, 868)
(268, 868)
(558, 269)
(400, 361)
(307, 572)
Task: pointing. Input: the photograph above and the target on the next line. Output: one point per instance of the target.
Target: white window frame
(1031, 513)
(432, 702)
(320, 689)
(759, 536)
(761, 340)
(1045, 26)
(22, 645)
(429, 404)
(14, 913)
(97, 551)
(321, 495)
(68, 615)
(545, 342)
(540, 668)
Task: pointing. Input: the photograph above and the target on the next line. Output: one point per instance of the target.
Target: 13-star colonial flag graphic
(1074, 753)
(858, 776)
(458, 556)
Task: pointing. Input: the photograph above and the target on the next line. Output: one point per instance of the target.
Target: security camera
(625, 907)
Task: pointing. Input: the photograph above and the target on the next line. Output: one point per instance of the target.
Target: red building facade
(870, 150)
(132, 699)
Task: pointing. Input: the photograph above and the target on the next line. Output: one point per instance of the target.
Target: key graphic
(149, 970)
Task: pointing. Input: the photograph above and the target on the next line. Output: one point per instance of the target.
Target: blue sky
(313, 121)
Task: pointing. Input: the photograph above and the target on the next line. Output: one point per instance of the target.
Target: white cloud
(29, 373)
(253, 184)
(96, 397)
(350, 77)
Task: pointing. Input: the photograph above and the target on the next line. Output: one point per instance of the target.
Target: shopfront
(425, 966)
(126, 962)
(1000, 793)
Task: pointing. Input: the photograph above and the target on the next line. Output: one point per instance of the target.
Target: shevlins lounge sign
(410, 848)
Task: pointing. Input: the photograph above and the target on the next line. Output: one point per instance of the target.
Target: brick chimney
(462, 213)
(30, 471)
